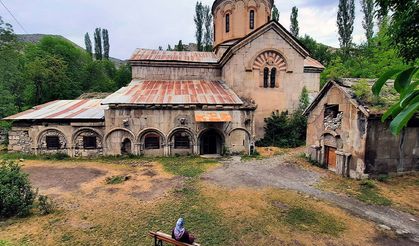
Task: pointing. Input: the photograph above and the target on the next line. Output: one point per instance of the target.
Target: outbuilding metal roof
(64, 109)
(184, 56)
(175, 92)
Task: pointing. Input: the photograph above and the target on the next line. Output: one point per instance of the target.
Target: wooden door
(331, 157)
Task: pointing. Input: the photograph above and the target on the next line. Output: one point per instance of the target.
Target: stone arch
(79, 145)
(42, 147)
(239, 141)
(151, 151)
(269, 58)
(182, 150)
(211, 141)
(115, 138)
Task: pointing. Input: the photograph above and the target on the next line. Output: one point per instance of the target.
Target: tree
(208, 35)
(169, 47)
(98, 44)
(123, 75)
(88, 44)
(275, 13)
(368, 22)
(294, 29)
(160, 48)
(345, 23)
(106, 46)
(179, 46)
(199, 22)
(318, 51)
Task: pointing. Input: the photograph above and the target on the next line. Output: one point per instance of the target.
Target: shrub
(45, 205)
(116, 179)
(368, 183)
(16, 194)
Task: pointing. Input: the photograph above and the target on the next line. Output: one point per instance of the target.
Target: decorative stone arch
(79, 145)
(152, 152)
(270, 58)
(219, 144)
(239, 141)
(182, 151)
(53, 132)
(114, 146)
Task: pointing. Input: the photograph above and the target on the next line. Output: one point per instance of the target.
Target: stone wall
(387, 153)
(345, 131)
(3, 136)
(240, 75)
(175, 73)
(133, 124)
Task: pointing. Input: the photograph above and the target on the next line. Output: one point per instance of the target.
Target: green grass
(116, 180)
(16, 156)
(314, 221)
(372, 196)
(5, 243)
(190, 167)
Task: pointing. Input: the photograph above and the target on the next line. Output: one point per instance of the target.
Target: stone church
(182, 103)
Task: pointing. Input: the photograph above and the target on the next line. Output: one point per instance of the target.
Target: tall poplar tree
(199, 22)
(275, 13)
(345, 23)
(208, 28)
(88, 44)
(368, 22)
(106, 46)
(98, 44)
(294, 28)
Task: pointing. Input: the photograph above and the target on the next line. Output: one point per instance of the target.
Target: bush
(116, 179)
(45, 205)
(16, 194)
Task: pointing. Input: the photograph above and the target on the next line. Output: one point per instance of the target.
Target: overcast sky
(150, 24)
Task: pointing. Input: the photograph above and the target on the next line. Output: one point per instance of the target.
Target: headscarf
(179, 229)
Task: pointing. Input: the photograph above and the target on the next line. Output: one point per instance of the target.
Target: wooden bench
(160, 237)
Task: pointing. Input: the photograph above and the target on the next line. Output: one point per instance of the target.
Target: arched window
(252, 19)
(152, 141)
(266, 77)
(273, 77)
(227, 22)
(182, 141)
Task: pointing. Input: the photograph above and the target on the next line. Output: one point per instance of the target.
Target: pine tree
(275, 13)
(199, 22)
(88, 44)
(106, 46)
(368, 22)
(179, 46)
(294, 29)
(208, 28)
(345, 22)
(169, 48)
(98, 44)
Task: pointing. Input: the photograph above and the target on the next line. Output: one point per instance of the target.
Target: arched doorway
(211, 142)
(126, 147)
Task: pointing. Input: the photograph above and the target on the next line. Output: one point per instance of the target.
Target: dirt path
(277, 172)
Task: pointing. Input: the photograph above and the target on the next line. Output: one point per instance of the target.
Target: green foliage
(203, 27)
(275, 13)
(294, 28)
(368, 21)
(318, 51)
(187, 166)
(345, 23)
(106, 45)
(16, 195)
(98, 44)
(199, 22)
(88, 44)
(314, 221)
(179, 46)
(284, 129)
(369, 194)
(45, 205)
(116, 180)
(208, 24)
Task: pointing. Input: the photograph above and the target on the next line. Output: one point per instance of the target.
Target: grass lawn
(97, 213)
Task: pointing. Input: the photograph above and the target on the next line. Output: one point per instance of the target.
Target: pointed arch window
(273, 77)
(266, 77)
(252, 19)
(227, 22)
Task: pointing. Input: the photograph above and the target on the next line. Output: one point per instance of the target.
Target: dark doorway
(126, 147)
(211, 143)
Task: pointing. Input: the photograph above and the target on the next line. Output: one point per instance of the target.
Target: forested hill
(36, 38)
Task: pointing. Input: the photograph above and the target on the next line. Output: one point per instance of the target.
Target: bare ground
(279, 172)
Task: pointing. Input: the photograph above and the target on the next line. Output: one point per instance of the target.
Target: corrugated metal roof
(64, 109)
(311, 62)
(212, 116)
(162, 55)
(175, 92)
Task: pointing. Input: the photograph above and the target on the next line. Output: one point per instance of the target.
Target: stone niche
(87, 149)
(43, 147)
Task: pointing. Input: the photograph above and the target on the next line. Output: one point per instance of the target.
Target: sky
(149, 24)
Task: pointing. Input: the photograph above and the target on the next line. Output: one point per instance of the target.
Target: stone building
(185, 102)
(346, 134)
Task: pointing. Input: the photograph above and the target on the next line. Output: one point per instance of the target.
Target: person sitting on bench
(179, 233)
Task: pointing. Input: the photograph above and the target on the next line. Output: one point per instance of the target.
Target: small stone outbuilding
(345, 132)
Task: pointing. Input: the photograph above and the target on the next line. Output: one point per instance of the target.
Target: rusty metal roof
(64, 109)
(311, 62)
(212, 116)
(183, 56)
(180, 92)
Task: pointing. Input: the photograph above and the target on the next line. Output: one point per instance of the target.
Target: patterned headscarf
(179, 229)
